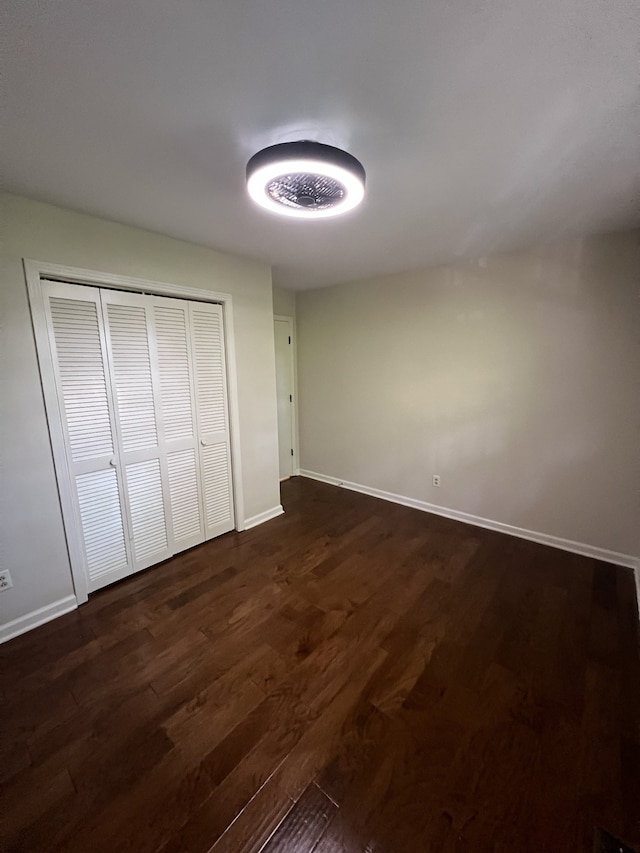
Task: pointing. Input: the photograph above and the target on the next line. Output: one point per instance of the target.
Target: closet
(140, 384)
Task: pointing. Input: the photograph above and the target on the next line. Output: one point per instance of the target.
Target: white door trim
(294, 386)
(35, 271)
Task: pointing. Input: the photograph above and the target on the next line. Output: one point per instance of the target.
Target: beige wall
(284, 302)
(32, 543)
(516, 378)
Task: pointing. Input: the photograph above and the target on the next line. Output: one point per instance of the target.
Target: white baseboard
(534, 536)
(37, 617)
(261, 517)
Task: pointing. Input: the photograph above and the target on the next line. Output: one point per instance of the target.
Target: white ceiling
(483, 125)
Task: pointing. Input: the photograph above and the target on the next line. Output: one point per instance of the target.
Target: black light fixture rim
(306, 150)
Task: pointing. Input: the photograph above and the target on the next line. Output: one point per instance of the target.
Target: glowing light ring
(266, 167)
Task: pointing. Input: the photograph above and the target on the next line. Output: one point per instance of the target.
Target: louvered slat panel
(173, 367)
(183, 492)
(101, 520)
(144, 490)
(209, 368)
(82, 377)
(217, 487)
(132, 372)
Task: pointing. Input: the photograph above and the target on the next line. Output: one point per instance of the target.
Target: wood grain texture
(305, 823)
(352, 676)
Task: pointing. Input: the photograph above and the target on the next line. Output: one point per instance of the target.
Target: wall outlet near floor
(436, 479)
(5, 580)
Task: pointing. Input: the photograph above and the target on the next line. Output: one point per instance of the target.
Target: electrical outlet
(436, 479)
(5, 580)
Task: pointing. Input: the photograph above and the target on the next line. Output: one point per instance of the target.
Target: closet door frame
(35, 272)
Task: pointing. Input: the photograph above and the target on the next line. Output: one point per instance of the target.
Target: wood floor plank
(303, 825)
(29, 797)
(251, 828)
(341, 836)
(353, 676)
(321, 740)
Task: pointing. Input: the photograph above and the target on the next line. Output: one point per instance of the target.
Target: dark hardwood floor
(352, 676)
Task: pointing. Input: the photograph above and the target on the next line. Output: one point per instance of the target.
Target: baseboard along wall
(58, 608)
(626, 560)
(261, 517)
(37, 617)
(65, 605)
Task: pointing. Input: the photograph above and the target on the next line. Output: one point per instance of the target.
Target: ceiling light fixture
(305, 179)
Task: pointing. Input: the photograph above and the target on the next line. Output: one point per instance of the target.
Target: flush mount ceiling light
(306, 179)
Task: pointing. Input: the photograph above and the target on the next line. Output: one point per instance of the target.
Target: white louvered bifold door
(172, 354)
(136, 394)
(142, 397)
(207, 337)
(77, 343)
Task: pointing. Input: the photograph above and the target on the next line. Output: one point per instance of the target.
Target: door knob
(113, 462)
